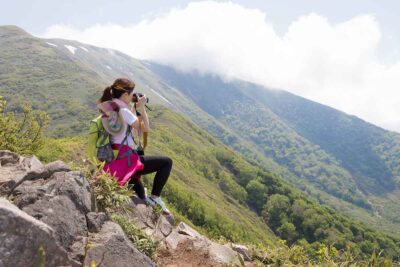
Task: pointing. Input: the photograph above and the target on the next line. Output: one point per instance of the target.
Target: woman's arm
(144, 118)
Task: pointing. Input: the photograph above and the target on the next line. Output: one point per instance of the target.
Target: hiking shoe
(151, 201)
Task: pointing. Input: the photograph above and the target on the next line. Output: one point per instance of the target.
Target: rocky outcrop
(22, 237)
(181, 245)
(52, 209)
(13, 168)
(110, 247)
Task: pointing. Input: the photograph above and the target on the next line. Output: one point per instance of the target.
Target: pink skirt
(119, 167)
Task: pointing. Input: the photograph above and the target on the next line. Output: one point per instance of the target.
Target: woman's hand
(142, 101)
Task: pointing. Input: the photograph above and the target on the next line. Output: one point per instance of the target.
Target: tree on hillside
(21, 133)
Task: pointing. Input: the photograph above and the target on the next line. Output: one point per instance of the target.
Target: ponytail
(106, 95)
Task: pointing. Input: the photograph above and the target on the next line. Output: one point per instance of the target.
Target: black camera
(136, 96)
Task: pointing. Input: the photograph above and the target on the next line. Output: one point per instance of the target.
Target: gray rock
(155, 226)
(44, 172)
(61, 202)
(57, 166)
(170, 218)
(21, 236)
(243, 250)
(32, 163)
(161, 229)
(61, 214)
(95, 221)
(165, 226)
(110, 247)
(175, 238)
(10, 171)
(222, 253)
(185, 229)
(8, 158)
(141, 214)
(77, 250)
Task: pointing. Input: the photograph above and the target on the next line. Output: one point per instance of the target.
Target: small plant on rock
(139, 239)
(109, 195)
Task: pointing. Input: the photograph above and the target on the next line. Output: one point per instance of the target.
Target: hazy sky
(341, 53)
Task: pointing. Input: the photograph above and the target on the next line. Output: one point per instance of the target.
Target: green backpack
(99, 143)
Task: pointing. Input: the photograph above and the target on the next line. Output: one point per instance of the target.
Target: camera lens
(135, 97)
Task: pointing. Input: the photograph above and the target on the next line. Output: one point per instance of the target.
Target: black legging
(161, 165)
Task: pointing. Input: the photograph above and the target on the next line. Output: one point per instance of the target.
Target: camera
(136, 96)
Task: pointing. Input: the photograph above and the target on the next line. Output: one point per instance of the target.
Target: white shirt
(129, 118)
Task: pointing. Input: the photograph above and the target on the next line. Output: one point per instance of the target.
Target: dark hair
(118, 88)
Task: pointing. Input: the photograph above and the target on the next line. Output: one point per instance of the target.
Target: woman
(121, 93)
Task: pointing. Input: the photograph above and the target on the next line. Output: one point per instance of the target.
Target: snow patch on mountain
(71, 48)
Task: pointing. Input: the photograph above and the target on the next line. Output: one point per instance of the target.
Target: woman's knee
(169, 161)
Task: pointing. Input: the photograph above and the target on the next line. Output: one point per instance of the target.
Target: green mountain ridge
(67, 84)
(267, 119)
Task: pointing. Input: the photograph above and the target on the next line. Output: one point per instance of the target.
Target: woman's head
(122, 88)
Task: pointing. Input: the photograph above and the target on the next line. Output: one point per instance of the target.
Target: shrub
(22, 134)
(109, 195)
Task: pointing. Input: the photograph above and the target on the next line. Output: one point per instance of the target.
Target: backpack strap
(139, 130)
(104, 138)
(145, 140)
(129, 151)
(140, 133)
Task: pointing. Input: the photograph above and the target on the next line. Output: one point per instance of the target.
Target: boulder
(61, 202)
(14, 170)
(111, 247)
(10, 171)
(32, 163)
(222, 253)
(21, 237)
(8, 158)
(95, 221)
(157, 226)
(174, 239)
(77, 249)
(185, 229)
(242, 250)
(184, 234)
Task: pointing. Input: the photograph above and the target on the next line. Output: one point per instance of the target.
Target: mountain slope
(309, 139)
(30, 67)
(249, 188)
(70, 103)
(352, 141)
(68, 68)
(223, 195)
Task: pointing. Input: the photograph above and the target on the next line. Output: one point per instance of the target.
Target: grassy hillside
(32, 71)
(225, 196)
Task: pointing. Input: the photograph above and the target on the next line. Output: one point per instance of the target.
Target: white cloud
(334, 64)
